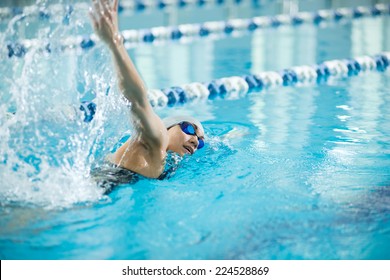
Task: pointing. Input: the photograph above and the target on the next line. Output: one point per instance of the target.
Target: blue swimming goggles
(189, 129)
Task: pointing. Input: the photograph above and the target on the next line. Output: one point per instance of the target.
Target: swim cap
(174, 120)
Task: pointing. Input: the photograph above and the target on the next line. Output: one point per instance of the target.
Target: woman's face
(182, 143)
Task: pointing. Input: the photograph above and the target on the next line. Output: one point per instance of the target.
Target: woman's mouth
(189, 150)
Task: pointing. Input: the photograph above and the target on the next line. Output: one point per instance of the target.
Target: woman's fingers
(101, 11)
(116, 5)
(105, 2)
(105, 6)
(105, 9)
(104, 20)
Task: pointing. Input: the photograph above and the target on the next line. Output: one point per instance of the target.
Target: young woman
(146, 151)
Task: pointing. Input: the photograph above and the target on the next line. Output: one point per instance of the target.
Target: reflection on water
(352, 167)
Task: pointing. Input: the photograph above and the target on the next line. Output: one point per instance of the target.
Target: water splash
(46, 149)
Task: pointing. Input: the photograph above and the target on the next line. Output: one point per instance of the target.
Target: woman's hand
(104, 17)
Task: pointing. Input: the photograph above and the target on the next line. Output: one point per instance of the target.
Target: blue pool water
(287, 173)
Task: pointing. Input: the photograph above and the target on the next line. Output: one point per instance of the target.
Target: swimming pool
(288, 173)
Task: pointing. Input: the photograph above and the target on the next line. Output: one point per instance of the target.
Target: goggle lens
(201, 143)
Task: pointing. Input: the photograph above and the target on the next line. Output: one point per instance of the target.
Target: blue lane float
(239, 86)
(206, 29)
(89, 110)
(16, 49)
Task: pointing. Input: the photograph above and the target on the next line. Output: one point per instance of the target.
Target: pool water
(287, 173)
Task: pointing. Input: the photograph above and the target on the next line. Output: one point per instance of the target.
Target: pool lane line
(186, 32)
(135, 6)
(235, 87)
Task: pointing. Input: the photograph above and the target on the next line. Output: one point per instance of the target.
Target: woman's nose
(194, 140)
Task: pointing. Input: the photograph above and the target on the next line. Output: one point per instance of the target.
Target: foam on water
(46, 149)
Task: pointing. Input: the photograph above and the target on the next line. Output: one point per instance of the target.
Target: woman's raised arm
(104, 17)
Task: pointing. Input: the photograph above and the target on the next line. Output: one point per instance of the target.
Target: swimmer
(146, 151)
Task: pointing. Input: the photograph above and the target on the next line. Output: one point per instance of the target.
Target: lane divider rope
(188, 31)
(134, 6)
(240, 86)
